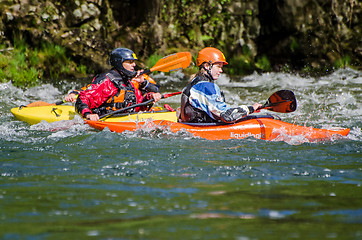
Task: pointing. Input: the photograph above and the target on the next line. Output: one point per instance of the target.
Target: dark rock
(293, 32)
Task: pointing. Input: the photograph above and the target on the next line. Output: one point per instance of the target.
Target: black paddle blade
(281, 101)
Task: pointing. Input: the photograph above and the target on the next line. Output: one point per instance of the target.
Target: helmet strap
(126, 72)
(208, 71)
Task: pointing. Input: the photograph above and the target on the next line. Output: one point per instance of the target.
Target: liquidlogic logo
(245, 135)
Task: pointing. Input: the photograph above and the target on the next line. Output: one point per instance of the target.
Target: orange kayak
(261, 127)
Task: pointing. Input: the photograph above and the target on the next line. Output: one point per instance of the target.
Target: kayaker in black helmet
(121, 87)
(202, 101)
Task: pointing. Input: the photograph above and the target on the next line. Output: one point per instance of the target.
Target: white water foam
(61, 129)
(150, 129)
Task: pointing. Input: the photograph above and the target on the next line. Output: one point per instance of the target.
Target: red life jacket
(109, 92)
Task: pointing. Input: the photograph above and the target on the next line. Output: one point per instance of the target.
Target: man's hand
(139, 78)
(72, 97)
(156, 96)
(93, 117)
(256, 106)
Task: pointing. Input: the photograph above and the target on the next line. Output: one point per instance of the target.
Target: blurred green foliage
(24, 66)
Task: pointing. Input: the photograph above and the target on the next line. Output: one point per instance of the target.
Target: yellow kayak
(53, 113)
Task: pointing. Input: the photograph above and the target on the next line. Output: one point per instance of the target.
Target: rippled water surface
(67, 181)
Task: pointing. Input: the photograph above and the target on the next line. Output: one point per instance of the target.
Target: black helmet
(118, 56)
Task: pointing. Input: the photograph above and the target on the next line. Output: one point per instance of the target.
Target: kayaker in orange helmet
(121, 87)
(202, 101)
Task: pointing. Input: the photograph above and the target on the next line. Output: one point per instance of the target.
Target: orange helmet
(210, 55)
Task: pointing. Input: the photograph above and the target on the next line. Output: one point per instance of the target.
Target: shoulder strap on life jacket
(193, 82)
(188, 112)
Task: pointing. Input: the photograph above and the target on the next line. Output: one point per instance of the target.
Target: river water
(67, 181)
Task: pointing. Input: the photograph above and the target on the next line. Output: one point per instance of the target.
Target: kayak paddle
(166, 95)
(173, 62)
(282, 101)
